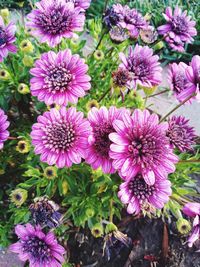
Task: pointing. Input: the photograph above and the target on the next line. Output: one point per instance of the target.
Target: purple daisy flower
(60, 136)
(59, 78)
(180, 134)
(4, 134)
(193, 75)
(143, 65)
(38, 248)
(178, 81)
(7, 38)
(101, 122)
(130, 19)
(179, 29)
(84, 4)
(193, 210)
(140, 145)
(139, 195)
(53, 20)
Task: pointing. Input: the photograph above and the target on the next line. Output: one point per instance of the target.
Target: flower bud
(110, 227)
(89, 212)
(26, 46)
(183, 226)
(65, 187)
(91, 104)
(149, 90)
(18, 196)
(97, 230)
(50, 172)
(4, 13)
(23, 147)
(4, 75)
(23, 89)
(159, 45)
(28, 61)
(99, 55)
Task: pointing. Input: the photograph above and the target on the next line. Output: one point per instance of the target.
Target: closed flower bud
(20, 3)
(97, 230)
(74, 42)
(159, 45)
(110, 227)
(50, 172)
(65, 187)
(99, 55)
(91, 104)
(148, 90)
(138, 101)
(89, 212)
(26, 46)
(4, 75)
(23, 89)
(97, 173)
(23, 147)
(4, 13)
(28, 61)
(183, 226)
(18, 196)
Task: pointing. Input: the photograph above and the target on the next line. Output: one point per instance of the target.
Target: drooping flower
(193, 210)
(38, 248)
(45, 212)
(101, 122)
(144, 66)
(84, 4)
(4, 134)
(60, 136)
(140, 145)
(139, 195)
(7, 38)
(118, 34)
(130, 19)
(193, 75)
(18, 196)
(59, 78)
(53, 20)
(148, 35)
(179, 29)
(121, 78)
(180, 133)
(111, 18)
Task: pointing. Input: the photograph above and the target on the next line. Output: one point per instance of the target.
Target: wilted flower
(45, 212)
(53, 20)
(148, 35)
(99, 55)
(92, 104)
(38, 248)
(178, 81)
(98, 148)
(180, 133)
(179, 29)
(183, 226)
(26, 46)
(143, 65)
(111, 18)
(193, 75)
(50, 172)
(18, 196)
(59, 78)
(139, 195)
(118, 34)
(97, 230)
(84, 4)
(193, 210)
(4, 75)
(60, 136)
(7, 38)
(23, 89)
(121, 78)
(4, 134)
(23, 147)
(130, 19)
(140, 145)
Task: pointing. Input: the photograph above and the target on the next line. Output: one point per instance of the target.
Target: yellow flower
(97, 230)
(50, 172)
(26, 46)
(23, 147)
(91, 104)
(18, 196)
(183, 226)
(27, 61)
(4, 75)
(23, 89)
(99, 55)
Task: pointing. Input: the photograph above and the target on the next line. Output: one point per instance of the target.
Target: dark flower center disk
(140, 189)
(37, 248)
(140, 67)
(60, 136)
(55, 22)
(57, 80)
(3, 37)
(179, 25)
(102, 141)
(179, 82)
(49, 172)
(22, 146)
(18, 197)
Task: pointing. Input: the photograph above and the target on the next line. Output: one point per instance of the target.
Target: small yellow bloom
(27, 61)
(183, 226)
(99, 55)
(26, 46)
(18, 196)
(4, 75)
(97, 230)
(91, 104)
(23, 89)
(50, 172)
(23, 147)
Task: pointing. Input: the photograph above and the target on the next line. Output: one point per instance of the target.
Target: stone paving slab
(9, 259)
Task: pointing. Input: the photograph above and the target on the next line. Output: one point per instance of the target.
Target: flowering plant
(82, 145)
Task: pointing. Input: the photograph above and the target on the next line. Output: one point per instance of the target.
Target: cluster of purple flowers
(184, 80)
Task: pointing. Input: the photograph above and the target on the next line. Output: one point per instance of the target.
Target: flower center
(179, 24)
(18, 197)
(60, 136)
(176, 134)
(179, 82)
(139, 67)
(37, 248)
(54, 22)
(2, 37)
(102, 141)
(58, 79)
(140, 189)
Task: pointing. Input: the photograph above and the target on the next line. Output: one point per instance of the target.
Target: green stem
(100, 40)
(104, 95)
(111, 210)
(178, 106)
(159, 93)
(189, 161)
